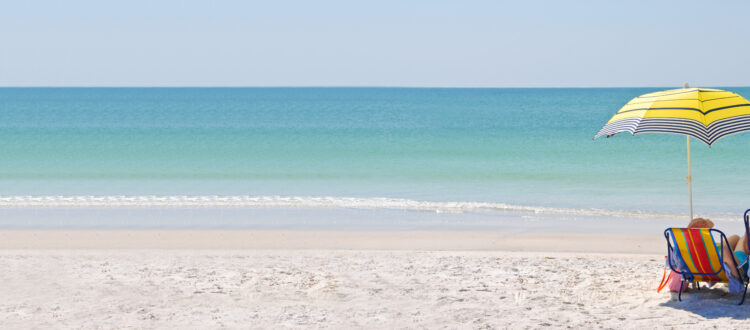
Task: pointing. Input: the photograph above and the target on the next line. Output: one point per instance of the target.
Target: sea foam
(214, 201)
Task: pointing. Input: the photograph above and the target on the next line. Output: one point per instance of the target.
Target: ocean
(435, 150)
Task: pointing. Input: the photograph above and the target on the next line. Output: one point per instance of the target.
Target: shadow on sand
(711, 303)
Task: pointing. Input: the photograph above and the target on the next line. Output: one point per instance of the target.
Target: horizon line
(354, 86)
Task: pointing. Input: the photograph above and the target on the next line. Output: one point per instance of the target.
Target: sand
(428, 240)
(107, 284)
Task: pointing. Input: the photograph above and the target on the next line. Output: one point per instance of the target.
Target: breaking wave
(120, 201)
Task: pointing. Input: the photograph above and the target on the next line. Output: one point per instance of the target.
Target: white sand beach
(326, 281)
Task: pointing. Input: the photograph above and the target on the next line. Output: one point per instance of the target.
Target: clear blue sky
(374, 43)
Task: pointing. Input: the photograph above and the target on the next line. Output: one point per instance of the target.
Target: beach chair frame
(688, 276)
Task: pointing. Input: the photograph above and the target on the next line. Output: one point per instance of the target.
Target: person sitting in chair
(737, 246)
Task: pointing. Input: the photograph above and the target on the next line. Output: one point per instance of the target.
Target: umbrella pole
(689, 178)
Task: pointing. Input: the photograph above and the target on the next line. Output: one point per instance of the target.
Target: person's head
(701, 223)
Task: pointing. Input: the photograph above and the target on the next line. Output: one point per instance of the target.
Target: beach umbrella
(702, 113)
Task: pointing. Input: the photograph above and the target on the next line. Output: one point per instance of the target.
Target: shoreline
(392, 240)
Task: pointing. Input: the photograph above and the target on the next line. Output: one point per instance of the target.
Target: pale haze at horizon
(385, 43)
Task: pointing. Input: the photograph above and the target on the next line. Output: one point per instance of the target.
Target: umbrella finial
(685, 85)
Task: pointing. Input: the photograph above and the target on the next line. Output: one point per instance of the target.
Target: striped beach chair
(696, 254)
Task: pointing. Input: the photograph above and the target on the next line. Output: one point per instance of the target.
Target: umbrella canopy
(705, 114)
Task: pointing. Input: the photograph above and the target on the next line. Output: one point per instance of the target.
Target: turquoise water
(524, 147)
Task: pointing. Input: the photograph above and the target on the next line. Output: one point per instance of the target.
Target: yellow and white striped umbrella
(705, 114)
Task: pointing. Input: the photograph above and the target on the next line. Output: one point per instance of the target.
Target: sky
(375, 43)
